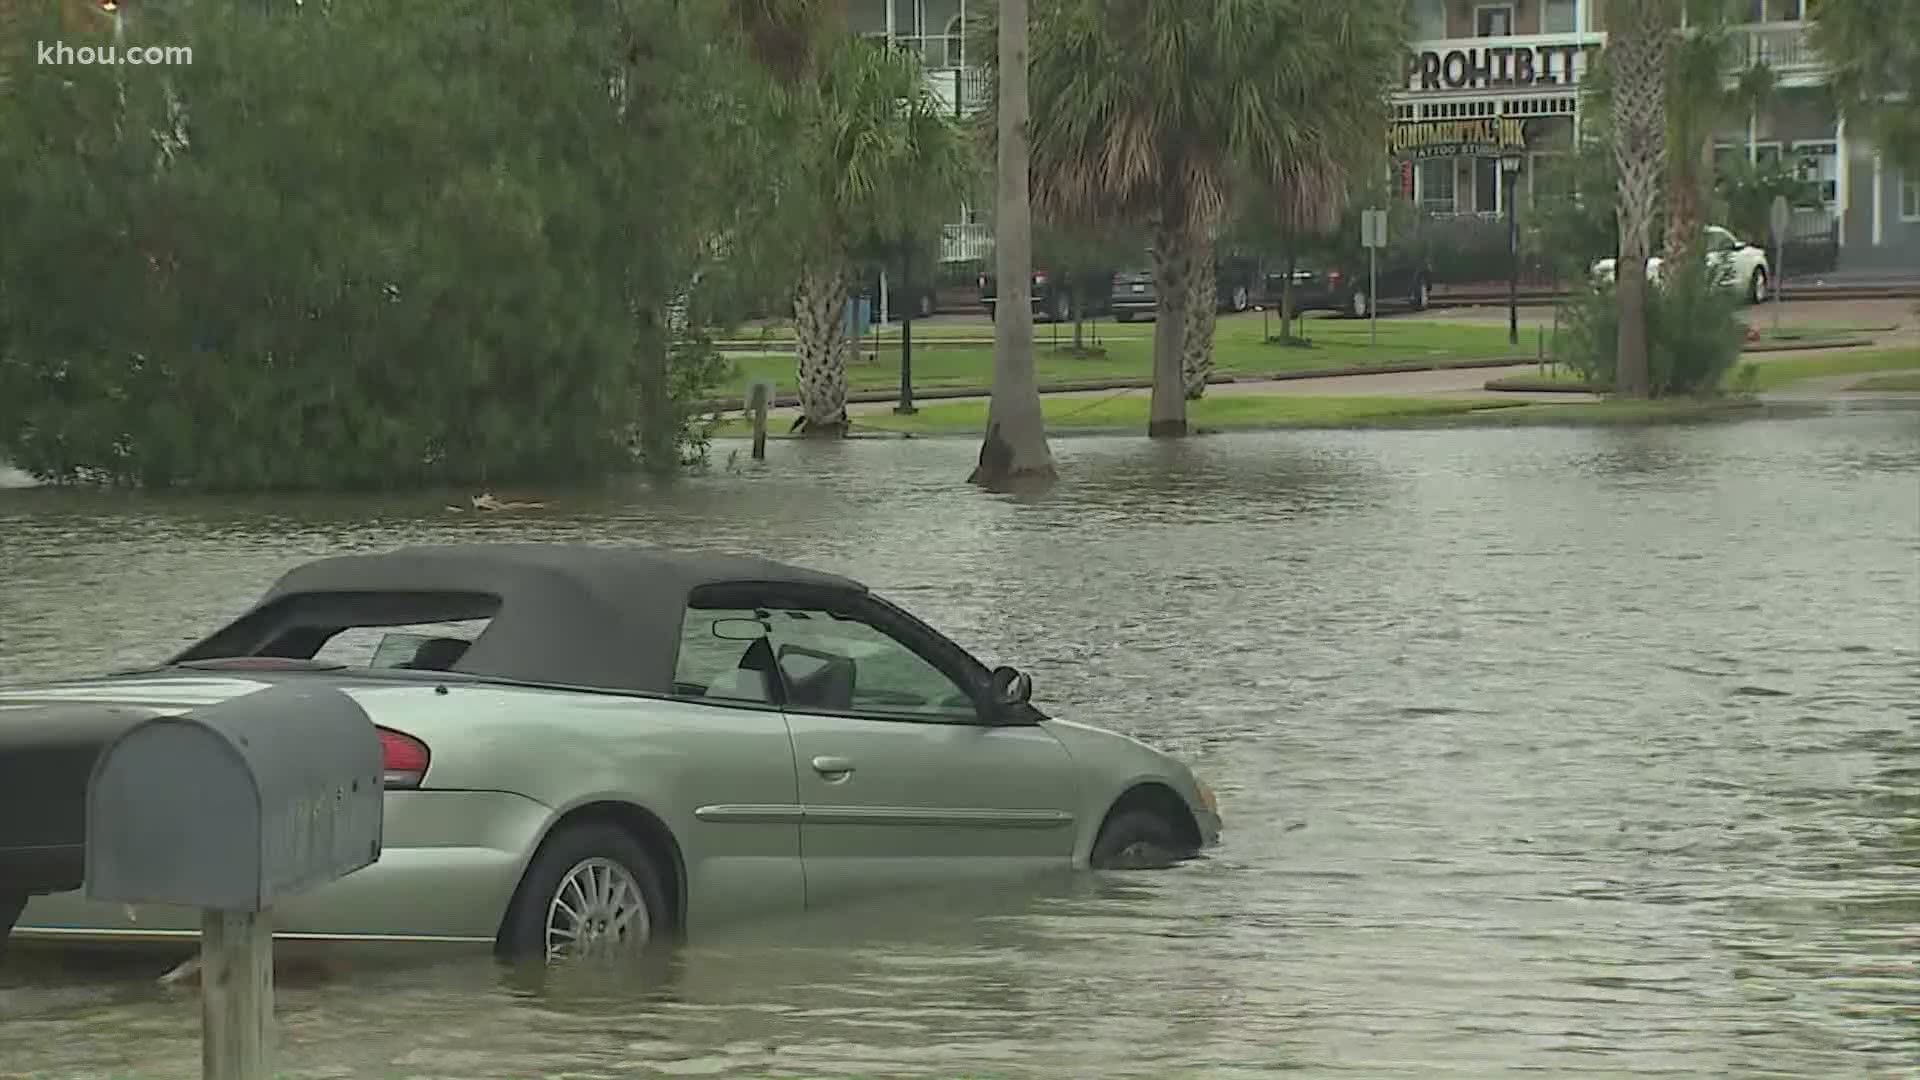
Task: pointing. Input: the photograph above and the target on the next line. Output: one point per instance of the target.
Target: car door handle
(832, 766)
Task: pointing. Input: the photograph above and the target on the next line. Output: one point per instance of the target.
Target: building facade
(1524, 60)
(936, 30)
(1491, 80)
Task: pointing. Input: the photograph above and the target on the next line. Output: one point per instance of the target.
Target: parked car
(594, 749)
(1401, 279)
(1735, 263)
(1135, 297)
(1051, 299)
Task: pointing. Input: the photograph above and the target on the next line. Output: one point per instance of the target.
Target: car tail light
(1333, 277)
(1039, 279)
(983, 282)
(404, 759)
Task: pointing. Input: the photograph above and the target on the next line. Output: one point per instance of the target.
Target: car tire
(1422, 293)
(1359, 305)
(1242, 299)
(926, 305)
(1757, 286)
(1062, 308)
(1138, 839)
(571, 862)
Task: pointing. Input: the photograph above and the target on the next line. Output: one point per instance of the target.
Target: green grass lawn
(1767, 374)
(1775, 374)
(1128, 412)
(1905, 382)
(1239, 350)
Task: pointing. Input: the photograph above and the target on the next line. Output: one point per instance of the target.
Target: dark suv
(1341, 284)
(1135, 297)
(1052, 301)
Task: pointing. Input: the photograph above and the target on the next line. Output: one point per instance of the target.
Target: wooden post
(757, 406)
(236, 995)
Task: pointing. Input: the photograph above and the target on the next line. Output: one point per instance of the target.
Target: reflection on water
(1580, 751)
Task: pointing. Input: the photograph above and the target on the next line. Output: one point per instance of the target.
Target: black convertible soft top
(568, 614)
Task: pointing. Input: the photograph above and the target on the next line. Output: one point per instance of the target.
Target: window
(1429, 19)
(1560, 17)
(838, 664)
(812, 659)
(1720, 241)
(1436, 186)
(1819, 162)
(418, 646)
(1910, 198)
(1493, 21)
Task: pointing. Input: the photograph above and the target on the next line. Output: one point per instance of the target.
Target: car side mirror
(1012, 688)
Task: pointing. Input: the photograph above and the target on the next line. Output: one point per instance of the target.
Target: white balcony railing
(964, 243)
(1786, 47)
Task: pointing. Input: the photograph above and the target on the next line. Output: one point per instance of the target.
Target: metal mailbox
(236, 806)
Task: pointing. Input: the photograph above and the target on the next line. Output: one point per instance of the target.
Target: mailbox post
(231, 809)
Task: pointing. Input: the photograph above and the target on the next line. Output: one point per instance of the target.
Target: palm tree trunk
(1286, 296)
(1687, 181)
(820, 339)
(1638, 51)
(1173, 245)
(1015, 446)
(1203, 314)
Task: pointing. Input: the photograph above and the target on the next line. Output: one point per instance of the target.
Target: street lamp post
(1510, 167)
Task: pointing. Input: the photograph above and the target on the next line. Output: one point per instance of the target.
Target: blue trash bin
(859, 315)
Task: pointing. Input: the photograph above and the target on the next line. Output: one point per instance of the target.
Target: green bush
(370, 245)
(1694, 332)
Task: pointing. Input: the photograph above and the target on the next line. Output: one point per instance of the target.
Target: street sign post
(1373, 236)
(1780, 218)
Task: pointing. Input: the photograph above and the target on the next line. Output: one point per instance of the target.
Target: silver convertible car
(590, 749)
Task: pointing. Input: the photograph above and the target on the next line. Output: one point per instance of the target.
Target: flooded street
(1579, 751)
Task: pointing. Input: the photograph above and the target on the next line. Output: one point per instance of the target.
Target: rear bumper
(1135, 303)
(449, 866)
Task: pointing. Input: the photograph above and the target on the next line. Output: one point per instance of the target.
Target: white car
(1734, 262)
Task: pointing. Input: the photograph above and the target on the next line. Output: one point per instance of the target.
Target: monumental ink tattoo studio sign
(1499, 66)
(1489, 137)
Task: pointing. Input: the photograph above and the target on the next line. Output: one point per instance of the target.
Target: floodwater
(1582, 752)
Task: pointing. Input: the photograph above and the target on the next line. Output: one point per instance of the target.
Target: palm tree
(1015, 446)
(1698, 100)
(1144, 112)
(1873, 50)
(877, 158)
(1638, 49)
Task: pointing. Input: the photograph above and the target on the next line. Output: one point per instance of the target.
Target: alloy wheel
(598, 911)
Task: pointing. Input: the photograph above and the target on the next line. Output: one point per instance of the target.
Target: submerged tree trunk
(1203, 315)
(1641, 42)
(1173, 247)
(1015, 446)
(820, 339)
